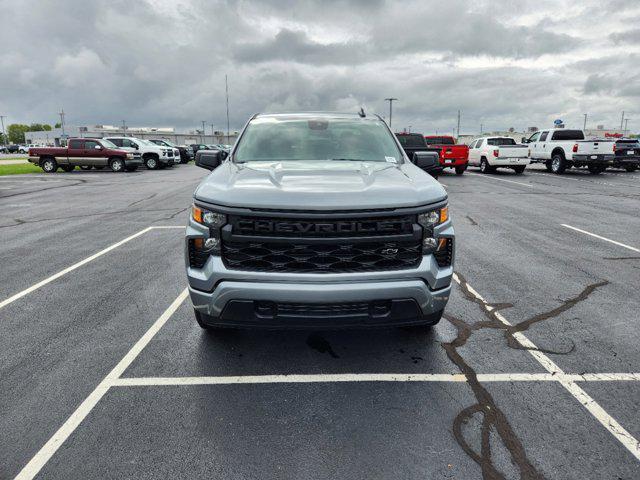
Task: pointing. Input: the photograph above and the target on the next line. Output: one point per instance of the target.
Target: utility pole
(626, 124)
(124, 128)
(226, 90)
(458, 123)
(4, 135)
(62, 114)
(390, 100)
(480, 129)
(585, 122)
(211, 125)
(622, 120)
(203, 132)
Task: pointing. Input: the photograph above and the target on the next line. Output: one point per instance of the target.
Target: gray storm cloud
(159, 62)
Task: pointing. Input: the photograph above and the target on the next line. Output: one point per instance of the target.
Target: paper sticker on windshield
(391, 159)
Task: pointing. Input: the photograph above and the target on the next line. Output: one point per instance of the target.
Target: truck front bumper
(225, 297)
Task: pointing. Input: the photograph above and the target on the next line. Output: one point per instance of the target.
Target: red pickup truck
(451, 155)
(86, 153)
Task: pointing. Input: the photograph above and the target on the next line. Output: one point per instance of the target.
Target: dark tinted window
(568, 135)
(89, 144)
(543, 137)
(116, 141)
(408, 140)
(75, 143)
(501, 141)
(440, 141)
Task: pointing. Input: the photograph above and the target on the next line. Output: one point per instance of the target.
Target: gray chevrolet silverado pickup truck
(318, 221)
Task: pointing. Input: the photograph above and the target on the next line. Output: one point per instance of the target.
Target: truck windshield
(501, 141)
(272, 138)
(439, 141)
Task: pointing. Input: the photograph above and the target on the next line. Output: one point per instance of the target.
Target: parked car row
(558, 149)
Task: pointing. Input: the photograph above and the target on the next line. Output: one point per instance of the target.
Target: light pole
(626, 124)
(62, 114)
(390, 100)
(203, 132)
(4, 135)
(211, 125)
(124, 128)
(226, 91)
(585, 122)
(458, 123)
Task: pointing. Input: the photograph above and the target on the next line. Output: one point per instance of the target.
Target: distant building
(55, 136)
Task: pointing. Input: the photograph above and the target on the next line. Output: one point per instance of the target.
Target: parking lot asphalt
(534, 372)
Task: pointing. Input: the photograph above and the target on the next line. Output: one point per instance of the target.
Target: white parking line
(372, 377)
(633, 249)
(487, 177)
(34, 466)
(77, 265)
(607, 421)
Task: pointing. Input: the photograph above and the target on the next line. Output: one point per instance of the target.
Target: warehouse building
(57, 136)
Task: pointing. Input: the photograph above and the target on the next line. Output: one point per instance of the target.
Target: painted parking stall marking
(599, 237)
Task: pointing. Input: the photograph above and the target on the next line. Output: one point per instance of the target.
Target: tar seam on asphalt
(319, 343)
(473, 222)
(492, 417)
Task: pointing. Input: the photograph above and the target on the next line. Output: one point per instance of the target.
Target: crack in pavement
(473, 222)
(493, 419)
(142, 200)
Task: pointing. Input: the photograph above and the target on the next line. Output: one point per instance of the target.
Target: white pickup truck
(489, 153)
(560, 149)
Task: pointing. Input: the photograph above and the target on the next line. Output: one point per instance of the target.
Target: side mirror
(135, 145)
(425, 160)
(210, 159)
(98, 147)
(525, 140)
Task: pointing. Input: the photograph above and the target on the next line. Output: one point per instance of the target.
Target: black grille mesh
(320, 257)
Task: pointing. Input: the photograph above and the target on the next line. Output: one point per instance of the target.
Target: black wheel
(485, 167)
(85, 167)
(460, 170)
(68, 168)
(519, 169)
(596, 169)
(547, 165)
(132, 168)
(558, 164)
(151, 162)
(631, 168)
(116, 165)
(49, 165)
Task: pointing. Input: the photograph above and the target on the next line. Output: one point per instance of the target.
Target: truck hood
(319, 185)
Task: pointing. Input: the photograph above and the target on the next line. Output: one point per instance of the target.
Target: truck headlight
(215, 221)
(429, 220)
(129, 155)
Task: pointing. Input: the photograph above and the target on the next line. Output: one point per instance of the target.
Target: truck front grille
(339, 257)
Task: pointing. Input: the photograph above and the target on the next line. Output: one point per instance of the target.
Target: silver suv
(318, 220)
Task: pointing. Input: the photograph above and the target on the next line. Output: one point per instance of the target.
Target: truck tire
(116, 164)
(151, 162)
(596, 169)
(460, 170)
(485, 167)
(49, 165)
(631, 168)
(519, 169)
(558, 164)
(68, 168)
(547, 165)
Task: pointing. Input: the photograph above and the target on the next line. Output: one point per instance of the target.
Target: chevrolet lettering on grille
(308, 228)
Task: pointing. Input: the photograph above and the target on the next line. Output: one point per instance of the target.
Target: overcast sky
(503, 63)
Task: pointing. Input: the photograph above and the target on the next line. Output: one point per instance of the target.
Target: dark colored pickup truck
(415, 142)
(85, 152)
(452, 155)
(627, 152)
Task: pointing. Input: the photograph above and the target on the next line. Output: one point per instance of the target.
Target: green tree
(15, 132)
(39, 127)
(58, 125)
